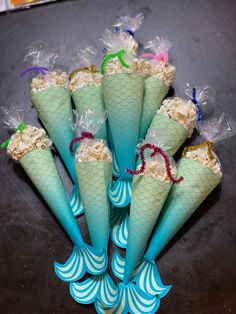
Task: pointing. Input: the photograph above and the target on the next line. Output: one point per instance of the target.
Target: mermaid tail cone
(94, 179)
(90, 97)
(119, 227)
(40, 167)
(155, 92)
(54, 109)
(145, 275)
(181, 203)
(148, 198)
(123, 96)
(131, 299)
(170, 132)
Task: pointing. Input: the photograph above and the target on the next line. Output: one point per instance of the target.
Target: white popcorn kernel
(85, 78)
(50, 79)
(93, 150)
(156, 169)
(27, 140)
(163, 71)
(182, 111)
(201, 155)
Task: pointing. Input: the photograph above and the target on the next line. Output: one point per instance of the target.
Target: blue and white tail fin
(100, 288)
(146, 275)
(148, 279)
(75, 202)
(83, 259)
(131, 299)
(119, 227)
(118, 265)
(115, 167)
(120, 192)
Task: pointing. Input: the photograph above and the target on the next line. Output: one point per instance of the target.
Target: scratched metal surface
(200, 261)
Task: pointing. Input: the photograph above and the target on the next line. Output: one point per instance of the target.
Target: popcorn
(131, 44)
(201, 155)
(163, 71)
(136, 66)
(156, 169)
(27, 140)
(51, 79)
(93, 150)
(85, 78)
(182, 111)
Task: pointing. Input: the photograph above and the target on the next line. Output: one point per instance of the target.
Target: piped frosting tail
(83, 259)
(100, 288)
(120, 192)
(119, 227)
(118, 265)
(75, 202)
(148, 279)
(131, 299)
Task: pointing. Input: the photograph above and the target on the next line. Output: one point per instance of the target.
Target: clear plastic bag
(86, 126)
(127, 23)
(217, 128)
(203, 97)
(115, 42)
(40, 54)
(158, 45)
(85, 56)
(12, 116)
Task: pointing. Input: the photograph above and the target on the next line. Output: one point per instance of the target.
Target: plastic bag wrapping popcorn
(31, 148)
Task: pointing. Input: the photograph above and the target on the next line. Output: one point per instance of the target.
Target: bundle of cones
(117, 148)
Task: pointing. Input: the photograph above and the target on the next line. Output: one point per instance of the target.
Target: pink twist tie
(162, 56)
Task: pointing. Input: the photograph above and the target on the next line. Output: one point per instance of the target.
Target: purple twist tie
(41, 70)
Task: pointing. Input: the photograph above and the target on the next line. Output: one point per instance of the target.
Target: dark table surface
(200, 261)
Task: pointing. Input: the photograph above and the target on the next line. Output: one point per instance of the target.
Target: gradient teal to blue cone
(183, 200)
(55, 112)
(40, 167)
(94, 179)
(90, 97)
(148, 197)
(123, 97)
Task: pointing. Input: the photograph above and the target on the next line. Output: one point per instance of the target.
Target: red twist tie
(155, 151)
(83, 136)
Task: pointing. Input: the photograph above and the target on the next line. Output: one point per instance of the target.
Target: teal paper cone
(123, 97)
(90, 97)
(170, 132)
(40, 167)
(154, 93)
(148, 198)
(55, 112)
(183, 200)
(94, 178)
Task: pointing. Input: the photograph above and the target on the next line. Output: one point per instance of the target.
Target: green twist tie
(111, 56)
(20, 127)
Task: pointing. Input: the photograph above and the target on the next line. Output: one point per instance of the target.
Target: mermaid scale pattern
(148, 198)
(123, 96)
(170, 132)
(181, 203)
(54, 109)
(155, 92)
(90, 97)
(94, 179)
